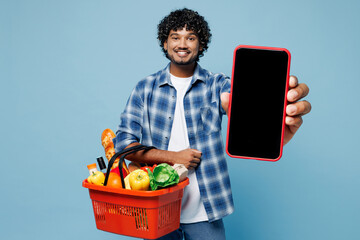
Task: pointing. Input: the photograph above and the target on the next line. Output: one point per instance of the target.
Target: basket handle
(124, 153)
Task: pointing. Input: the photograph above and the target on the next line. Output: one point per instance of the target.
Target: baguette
(106, 141)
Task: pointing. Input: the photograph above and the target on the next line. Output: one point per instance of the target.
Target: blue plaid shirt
(148, 118)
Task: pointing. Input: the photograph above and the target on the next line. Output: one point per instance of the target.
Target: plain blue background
(67, 68)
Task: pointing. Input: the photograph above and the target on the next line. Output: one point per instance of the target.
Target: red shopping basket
(142, 214)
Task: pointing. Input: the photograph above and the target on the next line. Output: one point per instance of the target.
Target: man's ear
(165, 46)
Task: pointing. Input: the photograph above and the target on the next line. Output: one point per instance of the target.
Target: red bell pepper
(116, 170)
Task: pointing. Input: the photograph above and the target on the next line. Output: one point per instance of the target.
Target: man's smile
(182, 53)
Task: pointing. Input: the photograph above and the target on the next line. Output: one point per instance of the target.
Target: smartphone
(256, 117)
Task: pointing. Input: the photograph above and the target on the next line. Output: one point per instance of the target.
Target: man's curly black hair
(177, 20)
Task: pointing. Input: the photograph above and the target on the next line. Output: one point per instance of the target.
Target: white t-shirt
(192, 208)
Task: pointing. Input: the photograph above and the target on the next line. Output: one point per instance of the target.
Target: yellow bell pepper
(97, 178)
(127, 183)
(139, 180)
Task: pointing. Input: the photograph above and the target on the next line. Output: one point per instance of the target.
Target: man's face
(182, 46)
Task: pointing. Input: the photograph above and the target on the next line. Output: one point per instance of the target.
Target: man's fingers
(194, 163)
(197, 153)
(196, 158)
(298, 92)
(293, 121)
(298, 108)
(293, 124)
(293, 81)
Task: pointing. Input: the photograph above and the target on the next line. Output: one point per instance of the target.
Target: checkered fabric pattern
(148, 118)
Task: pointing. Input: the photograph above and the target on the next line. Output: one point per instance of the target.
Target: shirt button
(173, 96)
(169, 118)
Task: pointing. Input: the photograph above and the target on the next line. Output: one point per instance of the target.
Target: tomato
(114, 180)
(149, 167)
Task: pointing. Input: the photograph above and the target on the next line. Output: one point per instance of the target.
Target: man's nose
(182, 43)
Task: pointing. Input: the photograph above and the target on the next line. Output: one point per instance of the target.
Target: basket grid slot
(99, 210)
(119, 209)
(141, 219)
(168, 214)
(139, 214)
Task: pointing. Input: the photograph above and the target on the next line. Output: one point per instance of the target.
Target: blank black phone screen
(257, 103)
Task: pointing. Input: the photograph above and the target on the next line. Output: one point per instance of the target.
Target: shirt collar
(199, 75)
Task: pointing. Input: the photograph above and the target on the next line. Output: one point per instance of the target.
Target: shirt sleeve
(130, 128)
(225, 84)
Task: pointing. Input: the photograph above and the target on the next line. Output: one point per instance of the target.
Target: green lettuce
(163, 176)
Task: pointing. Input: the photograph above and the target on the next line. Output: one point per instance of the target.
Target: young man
(179, 111)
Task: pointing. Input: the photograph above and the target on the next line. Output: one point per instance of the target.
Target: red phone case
(285, 101)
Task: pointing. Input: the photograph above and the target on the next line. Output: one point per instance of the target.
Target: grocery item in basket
(139, 180)
(114, 180)
(92, 168)
(107, 137)
(116, 170)
(106, 141)
(96, 178)
(102, 164)
(127, 183)
(181, 170)
(163, 176)
(151, 168)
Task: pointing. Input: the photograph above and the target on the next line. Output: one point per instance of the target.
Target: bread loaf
(106, 141)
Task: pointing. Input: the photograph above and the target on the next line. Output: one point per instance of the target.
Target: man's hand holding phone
(295, 108)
